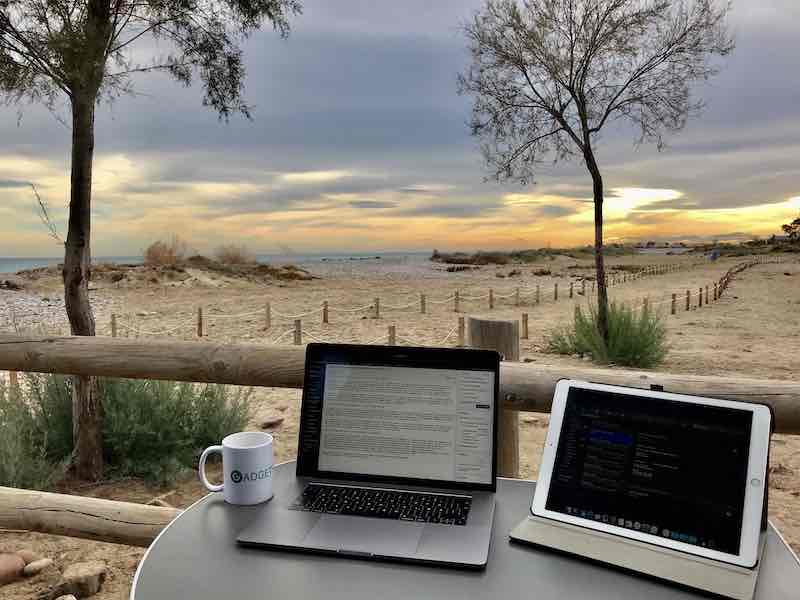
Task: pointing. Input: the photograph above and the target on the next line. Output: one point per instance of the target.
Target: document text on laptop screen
(419, 423)
(653, 466)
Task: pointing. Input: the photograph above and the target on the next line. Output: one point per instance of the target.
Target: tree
(548, 75)
(83, 50)
(792, 230)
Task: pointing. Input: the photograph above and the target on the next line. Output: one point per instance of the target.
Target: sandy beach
(750, 332)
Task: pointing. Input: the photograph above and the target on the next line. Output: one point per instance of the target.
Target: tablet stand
(696, 572)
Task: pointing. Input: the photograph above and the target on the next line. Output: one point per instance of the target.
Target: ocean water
(317, 262)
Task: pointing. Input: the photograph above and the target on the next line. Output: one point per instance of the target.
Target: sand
(751, 332)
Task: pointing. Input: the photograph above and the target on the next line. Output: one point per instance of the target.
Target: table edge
(132, 594)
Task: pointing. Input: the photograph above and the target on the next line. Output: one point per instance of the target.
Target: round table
(197, 557)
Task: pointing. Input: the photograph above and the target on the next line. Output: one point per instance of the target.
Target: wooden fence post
(524, 326)
(298, 332)
(113, 325)
(555, 292)
(455, 302)
(325, 311)
(706, 294)
(516, 297)
(461, 341)
(688, 300)
(700, 298)
(583, 287)
(538, 296)
(199, 321)
(13, 384)
(674, 300)
(491, 298)
(645, 303)
(571, 286)
(422, 304)
(502, 336)
(392, 335)
(377, 308)
(267, 316)
(715, 292)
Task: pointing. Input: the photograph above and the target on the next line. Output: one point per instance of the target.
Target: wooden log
(502, 336)
(524, 326)
(113, 325)
(392, 335)
(422, 304)
(199, 321)
(529, 387)
(325, 311)
(298, 332)
(83, 517)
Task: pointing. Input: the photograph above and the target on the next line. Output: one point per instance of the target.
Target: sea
(317, 263)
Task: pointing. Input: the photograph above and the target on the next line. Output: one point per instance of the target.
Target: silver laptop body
(372, 450)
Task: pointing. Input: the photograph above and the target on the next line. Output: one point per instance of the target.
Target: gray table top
(197, 557)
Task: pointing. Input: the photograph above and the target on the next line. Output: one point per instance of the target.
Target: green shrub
(151, 429)
(636, 338)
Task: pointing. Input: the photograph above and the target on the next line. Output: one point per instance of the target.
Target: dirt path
(752, 332)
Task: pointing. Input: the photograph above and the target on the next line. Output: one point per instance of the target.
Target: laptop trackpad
(363, 534)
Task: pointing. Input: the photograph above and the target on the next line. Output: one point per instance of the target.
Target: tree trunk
(599, 261)
(86, 409)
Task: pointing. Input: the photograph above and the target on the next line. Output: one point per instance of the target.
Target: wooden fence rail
(523, 386)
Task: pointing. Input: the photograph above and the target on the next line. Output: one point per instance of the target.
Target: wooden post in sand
(325, 311)
(555, 291)
(538, 295)
(491, 298)
(583, 287)
(392, 335)
(700, 298)
(422, 304)
(298, 332)
(199, 321)
(645, 303)
(461, 332)
(716, 295)
(516, 297)
(524, 326)
(267, 316)
(113, 325)
(674, 301)
(502, 336)
(455, 302)
(706, 294)
(571, 288)
(688, 300)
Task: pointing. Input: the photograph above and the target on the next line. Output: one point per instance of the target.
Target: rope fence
(687, 299)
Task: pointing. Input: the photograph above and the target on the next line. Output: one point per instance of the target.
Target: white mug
(246, 467)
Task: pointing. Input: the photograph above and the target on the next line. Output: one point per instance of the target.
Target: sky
(360, 142)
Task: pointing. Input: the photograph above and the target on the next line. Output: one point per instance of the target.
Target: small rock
(85, 578)
(37, 567)
(28, 556)
(11, 566)
(272, 422)
(576, 356)
(788, 274)
(528, 359)
(67, 597)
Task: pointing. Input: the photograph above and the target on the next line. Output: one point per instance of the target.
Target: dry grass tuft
(161, 253)
(231, 254)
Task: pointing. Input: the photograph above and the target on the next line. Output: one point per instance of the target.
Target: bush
(232, 254)
(636, 339)
(161, 253)
(151, 429)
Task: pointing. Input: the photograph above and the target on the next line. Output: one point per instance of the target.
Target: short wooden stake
(688, 300)
(538, 296)
(571, 287)
(645, 303)
(555, 291)
(422, 304)
(461, 341)
(199, 321)
(716, 297)
(502, 336)
(706, 294)
(392, 335)
(583, 287)
(700, 298)
(267, 316)
(377, 308)
(524, 326)
(13, 384)
(298, 332)
(674, 301)
(456, 302)
(491, 298)
(325, 311)
(113, 325)
(516, 297)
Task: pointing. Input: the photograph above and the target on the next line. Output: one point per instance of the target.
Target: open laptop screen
(652, 465)
(397, 414)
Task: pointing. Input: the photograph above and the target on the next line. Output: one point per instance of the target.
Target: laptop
(683, 474)
(396, 457)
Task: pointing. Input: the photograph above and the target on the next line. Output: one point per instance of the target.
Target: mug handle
(201, 468)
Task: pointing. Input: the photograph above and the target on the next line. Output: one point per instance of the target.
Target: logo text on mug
(237, 476)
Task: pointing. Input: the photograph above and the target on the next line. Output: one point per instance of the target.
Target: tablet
(682, 472)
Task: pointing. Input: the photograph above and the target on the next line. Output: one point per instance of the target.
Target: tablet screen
(654, 466)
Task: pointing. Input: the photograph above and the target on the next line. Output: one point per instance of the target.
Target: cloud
(372, 204)
(12, 183)
(313, 177)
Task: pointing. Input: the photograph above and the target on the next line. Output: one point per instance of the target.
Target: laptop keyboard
(384, 504)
